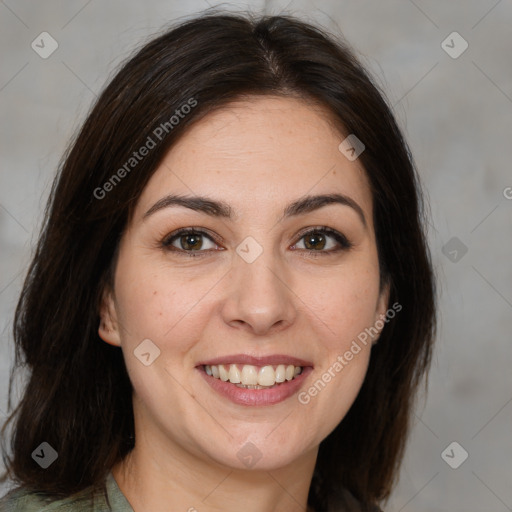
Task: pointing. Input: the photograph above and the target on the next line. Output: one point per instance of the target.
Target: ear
(381, 309)
(108, 329)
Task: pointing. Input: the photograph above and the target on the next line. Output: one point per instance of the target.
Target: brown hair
(78, 395)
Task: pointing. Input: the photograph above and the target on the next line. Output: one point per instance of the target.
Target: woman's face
(259, 284)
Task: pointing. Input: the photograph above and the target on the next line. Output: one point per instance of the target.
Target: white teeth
(224, 375)
(281, 373)
(267, 376)
(234, 374)
(253, 377)
(249, 375)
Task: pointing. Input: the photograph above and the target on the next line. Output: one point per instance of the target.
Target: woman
(235, 227)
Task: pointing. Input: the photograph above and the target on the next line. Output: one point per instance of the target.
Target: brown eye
(189, 240)
(320, 240)
(315, 241)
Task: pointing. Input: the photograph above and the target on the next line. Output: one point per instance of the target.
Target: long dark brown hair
(78, 396)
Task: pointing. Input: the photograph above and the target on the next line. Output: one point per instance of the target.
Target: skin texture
(258, 155)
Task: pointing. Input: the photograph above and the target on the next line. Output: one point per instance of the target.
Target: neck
(151, 478)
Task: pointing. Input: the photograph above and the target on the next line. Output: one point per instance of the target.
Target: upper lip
(256, 360)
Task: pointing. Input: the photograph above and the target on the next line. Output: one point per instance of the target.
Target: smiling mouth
(249, 376)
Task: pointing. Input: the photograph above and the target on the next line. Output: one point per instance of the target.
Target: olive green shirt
(22, 500)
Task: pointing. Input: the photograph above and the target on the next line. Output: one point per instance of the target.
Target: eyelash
(344, 243)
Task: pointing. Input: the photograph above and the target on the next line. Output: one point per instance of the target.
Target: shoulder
(22, 499)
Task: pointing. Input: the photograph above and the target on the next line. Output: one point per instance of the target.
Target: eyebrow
(221, 209)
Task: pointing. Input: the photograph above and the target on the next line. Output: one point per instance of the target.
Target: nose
(259, 297)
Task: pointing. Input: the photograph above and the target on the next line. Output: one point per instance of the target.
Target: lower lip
(244, 396)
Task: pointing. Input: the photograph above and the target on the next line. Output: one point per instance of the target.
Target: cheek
(343, 310)
(345, 305)
(167, 307)
(150, 300)
(156, 304)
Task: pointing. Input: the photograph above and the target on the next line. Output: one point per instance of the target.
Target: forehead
(258, 154)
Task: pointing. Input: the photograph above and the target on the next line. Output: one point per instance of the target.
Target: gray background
(457, 116)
